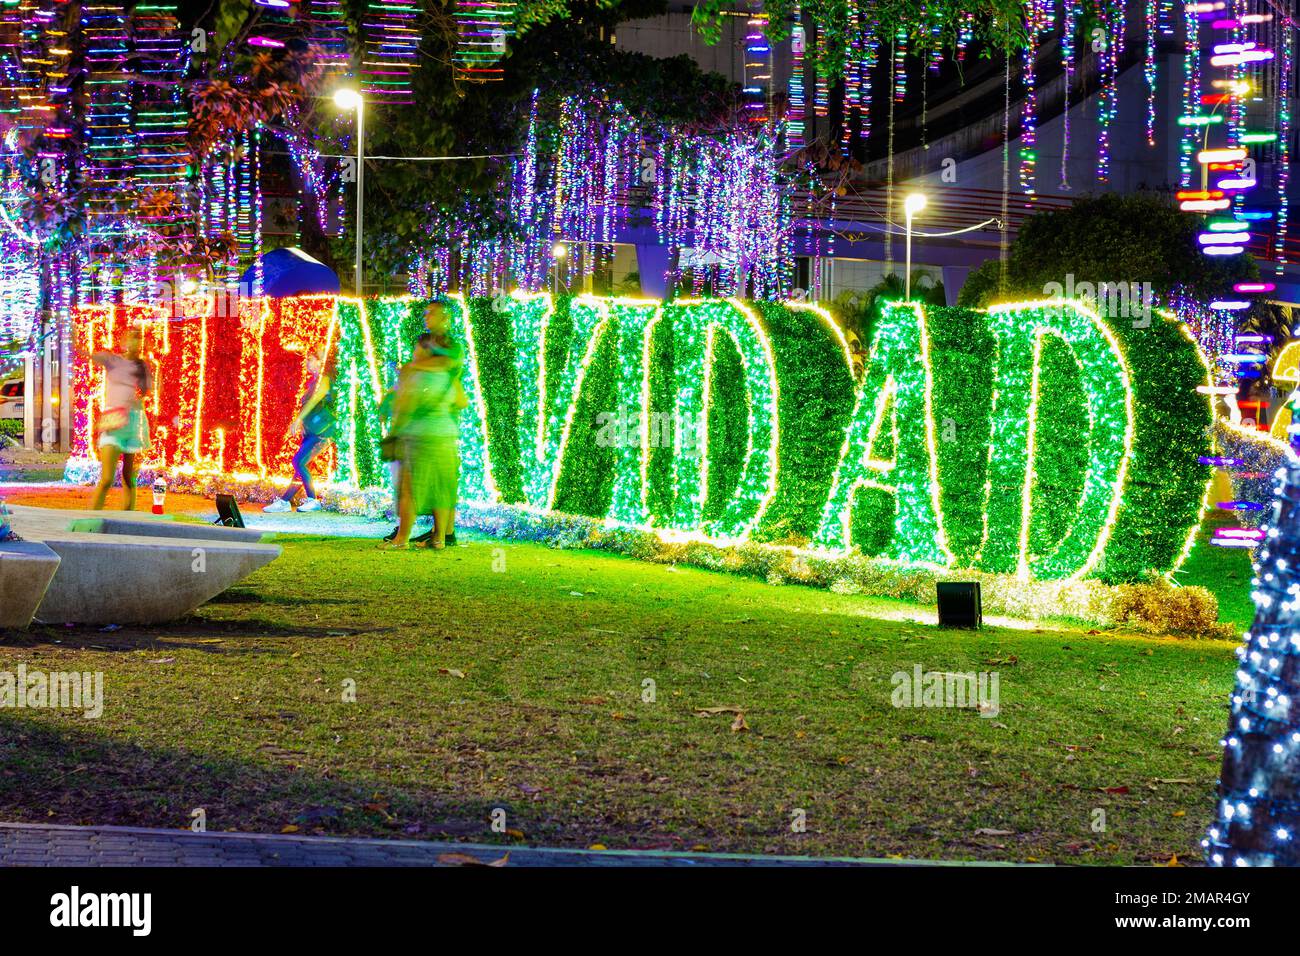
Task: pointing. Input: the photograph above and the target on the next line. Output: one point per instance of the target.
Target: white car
(11, 399)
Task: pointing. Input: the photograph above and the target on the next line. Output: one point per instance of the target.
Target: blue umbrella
(287, 272)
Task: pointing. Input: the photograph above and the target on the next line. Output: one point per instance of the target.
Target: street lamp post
(558, 253)
(913, 204)
(349, 99)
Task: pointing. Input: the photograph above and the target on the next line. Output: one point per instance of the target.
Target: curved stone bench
(162, 527)
(26, 570)
(133, 570)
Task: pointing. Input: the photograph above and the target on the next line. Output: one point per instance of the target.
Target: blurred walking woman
(123, 427)
(429, 398)
(315, 424)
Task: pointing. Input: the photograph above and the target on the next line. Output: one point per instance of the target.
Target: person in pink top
(123, 426)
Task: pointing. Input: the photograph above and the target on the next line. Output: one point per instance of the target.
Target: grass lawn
(512, 676)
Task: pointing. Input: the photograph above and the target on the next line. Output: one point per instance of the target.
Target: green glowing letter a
(897, 386)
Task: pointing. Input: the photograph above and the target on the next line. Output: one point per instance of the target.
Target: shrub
(1157, 606)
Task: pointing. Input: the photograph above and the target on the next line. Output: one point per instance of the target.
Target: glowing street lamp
(913, 204)
(350, 99)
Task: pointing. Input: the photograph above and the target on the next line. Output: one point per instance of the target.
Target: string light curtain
(328, 29)
(720, 200)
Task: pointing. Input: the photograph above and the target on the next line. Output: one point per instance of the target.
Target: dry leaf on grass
(451, 672)
(464, 859)
(738, 725)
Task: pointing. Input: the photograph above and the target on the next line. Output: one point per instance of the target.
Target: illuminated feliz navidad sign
(1039, 439)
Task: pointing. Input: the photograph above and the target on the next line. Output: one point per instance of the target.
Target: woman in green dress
(428, 403)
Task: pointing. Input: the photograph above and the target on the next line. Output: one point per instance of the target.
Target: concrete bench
(161, 528)
(26, 570)
(142, 571)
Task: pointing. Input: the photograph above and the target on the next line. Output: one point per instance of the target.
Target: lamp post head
(914, 203)
(347, 98)
(559, 250)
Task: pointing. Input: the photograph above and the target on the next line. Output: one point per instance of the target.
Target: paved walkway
(328, 523)
(34, 844)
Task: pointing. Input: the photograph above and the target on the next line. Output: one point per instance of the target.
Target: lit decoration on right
(1258, 811)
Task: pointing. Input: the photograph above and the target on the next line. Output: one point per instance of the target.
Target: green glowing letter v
(544, 418)
(897, 386)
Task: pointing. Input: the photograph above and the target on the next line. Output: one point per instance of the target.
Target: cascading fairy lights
(329, 32)
(900, 65)
(821, 83)
(1038, 21)
(853, 80)
(1068, 27)
(795, 113)
(1114, 24)
(1286, 74)
(483, 28)
(1152, 19)
(1191, 93)
(161, 119)
(724, 196)
(111, 144)
(757, 66)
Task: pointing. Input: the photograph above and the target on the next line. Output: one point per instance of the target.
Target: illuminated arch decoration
(1040, 439)
(897, 393)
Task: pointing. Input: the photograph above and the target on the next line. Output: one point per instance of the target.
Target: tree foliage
(1140, 237)
(556, 58)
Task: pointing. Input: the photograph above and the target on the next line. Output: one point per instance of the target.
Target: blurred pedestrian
(123, 425)
(316, 424)
(425, 426)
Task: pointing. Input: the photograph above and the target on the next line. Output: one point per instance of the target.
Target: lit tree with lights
(1258, 812)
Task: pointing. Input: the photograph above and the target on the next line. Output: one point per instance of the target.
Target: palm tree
(856, 310)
